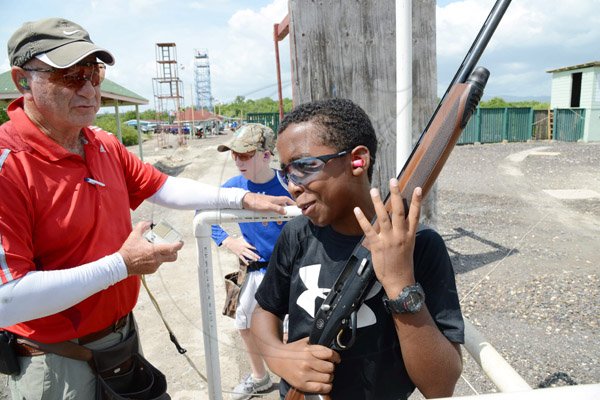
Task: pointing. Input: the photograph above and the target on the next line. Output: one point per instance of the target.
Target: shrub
(109, 124)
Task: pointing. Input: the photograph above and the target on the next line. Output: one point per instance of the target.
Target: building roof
(110, 92)
(197, 115)
(578, 66)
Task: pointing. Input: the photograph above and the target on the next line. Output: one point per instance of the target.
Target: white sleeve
(188, 194)
(42, 293)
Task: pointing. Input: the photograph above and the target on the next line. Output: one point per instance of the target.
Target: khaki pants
(52, 377)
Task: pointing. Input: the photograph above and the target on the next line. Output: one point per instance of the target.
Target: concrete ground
(521, 222)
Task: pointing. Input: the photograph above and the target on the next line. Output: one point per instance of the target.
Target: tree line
(499, 102)
(239, 108)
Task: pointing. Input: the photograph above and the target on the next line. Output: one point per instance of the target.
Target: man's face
(57, 107)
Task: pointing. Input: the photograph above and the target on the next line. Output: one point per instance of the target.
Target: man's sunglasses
(75, 76)
(305, 170)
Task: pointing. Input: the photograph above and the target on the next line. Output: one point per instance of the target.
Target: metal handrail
(202, 232)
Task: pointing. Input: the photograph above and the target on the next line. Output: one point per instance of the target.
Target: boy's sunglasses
(305, 170)
(75, 76)
(243, 156)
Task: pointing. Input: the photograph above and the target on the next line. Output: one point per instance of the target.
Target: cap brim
(71, 53)
(237, 147)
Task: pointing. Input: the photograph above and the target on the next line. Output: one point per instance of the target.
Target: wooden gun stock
(295, 394)
(435, 145)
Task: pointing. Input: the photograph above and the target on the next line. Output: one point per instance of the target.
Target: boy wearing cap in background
(252, 149)
(70, 263)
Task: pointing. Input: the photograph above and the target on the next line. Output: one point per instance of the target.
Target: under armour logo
(69, 33)
(307, 300)
(310, 277)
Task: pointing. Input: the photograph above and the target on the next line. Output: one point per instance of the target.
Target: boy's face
(253, 164)
(329, 197)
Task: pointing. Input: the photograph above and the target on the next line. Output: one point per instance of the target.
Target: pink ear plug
(358, 163)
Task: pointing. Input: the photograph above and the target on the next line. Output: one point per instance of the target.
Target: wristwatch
(410, 300)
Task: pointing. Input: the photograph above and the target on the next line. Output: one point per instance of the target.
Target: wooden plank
(347, 50)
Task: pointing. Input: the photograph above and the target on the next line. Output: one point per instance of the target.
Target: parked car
(145, 126)
(174, 129)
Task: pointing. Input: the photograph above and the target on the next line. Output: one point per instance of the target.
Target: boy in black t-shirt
(410, 325)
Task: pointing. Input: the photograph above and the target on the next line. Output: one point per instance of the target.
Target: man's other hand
(261, 202)
(142, 257)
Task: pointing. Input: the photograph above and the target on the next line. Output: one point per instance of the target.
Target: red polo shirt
(51, 218)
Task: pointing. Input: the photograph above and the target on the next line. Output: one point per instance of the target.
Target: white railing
(576, 392)
(511, 385)
(202, 231)
(502, 375)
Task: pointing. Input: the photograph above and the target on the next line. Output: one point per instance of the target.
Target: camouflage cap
(251, 137)
(63, 43)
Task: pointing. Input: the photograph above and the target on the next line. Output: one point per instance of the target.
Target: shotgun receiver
(336, 321)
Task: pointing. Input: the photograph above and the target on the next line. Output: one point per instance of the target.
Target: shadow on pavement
(464, 262)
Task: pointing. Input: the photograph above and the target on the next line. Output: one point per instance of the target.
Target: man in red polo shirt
(69, 259)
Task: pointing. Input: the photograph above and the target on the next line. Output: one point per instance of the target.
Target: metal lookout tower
(168, 88)
(202, 80)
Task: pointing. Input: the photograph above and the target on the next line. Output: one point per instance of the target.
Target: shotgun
(335, 321)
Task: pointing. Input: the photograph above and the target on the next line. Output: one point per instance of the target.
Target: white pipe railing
(576, 392)
(491, 362)
(202, 232)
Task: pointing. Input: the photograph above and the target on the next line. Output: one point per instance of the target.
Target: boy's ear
(360, 160)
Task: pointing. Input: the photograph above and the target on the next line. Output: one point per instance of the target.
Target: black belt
(28, 348)
(256, 266)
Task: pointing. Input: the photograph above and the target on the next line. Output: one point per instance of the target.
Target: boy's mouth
(305, 207)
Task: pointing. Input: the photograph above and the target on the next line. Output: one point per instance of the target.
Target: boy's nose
(294, 189)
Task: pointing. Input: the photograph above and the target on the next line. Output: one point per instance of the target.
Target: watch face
(410, 300)
(413, 302)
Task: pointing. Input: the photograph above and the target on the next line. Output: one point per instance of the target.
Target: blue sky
(535, 35)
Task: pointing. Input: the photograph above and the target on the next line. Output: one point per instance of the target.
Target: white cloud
(533, 36)
(247, 57)
(239, 44)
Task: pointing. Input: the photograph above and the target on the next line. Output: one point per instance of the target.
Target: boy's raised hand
(392, 243)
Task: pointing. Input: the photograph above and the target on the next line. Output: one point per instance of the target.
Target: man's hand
(261, 202)
(141, 256)
(241, 248)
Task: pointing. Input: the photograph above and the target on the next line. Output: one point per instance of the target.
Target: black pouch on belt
(124, 374)
(9, 363)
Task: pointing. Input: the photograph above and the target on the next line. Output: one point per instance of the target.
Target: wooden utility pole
(347, 49)
(424, 84)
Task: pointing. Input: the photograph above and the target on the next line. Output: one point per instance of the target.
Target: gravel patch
(527, 263)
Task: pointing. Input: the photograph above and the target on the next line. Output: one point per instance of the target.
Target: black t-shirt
(305, 264)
